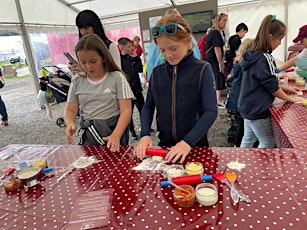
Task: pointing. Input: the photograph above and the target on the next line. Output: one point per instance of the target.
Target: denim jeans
(258, 129)
(3, 110)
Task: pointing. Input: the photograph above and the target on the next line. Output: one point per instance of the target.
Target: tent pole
(287, 23)
(28, 48)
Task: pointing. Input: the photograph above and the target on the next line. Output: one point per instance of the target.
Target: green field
(14, 66)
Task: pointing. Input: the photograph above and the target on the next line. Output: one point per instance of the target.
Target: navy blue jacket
(232, 101)
(179, 97)
(259, 82)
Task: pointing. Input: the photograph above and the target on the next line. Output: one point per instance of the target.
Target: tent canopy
(26, 16)
(46, 15)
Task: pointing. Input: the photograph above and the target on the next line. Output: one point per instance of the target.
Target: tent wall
(291, 12)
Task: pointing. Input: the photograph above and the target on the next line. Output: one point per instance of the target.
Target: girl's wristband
(290, 99)
(70, 124)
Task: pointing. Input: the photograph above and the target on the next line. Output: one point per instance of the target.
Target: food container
(206, 194)
(299, 81)
(30, 176)
(41, 162)
(12, 185)
(174, 170)
(184, 198)
(194, 168)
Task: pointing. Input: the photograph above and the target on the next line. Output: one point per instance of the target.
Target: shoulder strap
(201, 74)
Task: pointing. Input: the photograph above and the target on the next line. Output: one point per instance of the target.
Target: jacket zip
(174, 81)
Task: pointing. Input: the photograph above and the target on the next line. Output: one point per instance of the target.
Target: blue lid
(23, 165)
(164, 183)
(45, 170)
(206, 177)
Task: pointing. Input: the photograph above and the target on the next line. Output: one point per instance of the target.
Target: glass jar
(184, 198)
(174, 171)
(194, 168)
(300, 81)
(206, 194)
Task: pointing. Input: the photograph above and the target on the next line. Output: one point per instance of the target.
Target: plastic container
(301, 63)
(41, 162)
(12, 185)
(184, 198)
(206, 194)
(174, 170)
(194, 168)
(299, 81)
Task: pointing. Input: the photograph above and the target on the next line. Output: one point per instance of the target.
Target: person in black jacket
(132, 66)
(181, 91)
(234, 43)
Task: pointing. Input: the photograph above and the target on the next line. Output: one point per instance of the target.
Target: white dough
(157, 158)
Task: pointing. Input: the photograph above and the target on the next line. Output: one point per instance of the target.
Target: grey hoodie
(259, 82)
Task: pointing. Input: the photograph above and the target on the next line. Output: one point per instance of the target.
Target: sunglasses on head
(169, 29)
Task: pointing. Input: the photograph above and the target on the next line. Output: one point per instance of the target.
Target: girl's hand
(74, 67)
(181, 149)
(70, 131)
(297, 99)
(113, 143)
(140, 149)
(291, 89)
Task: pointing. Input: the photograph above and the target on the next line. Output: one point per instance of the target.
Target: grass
(14, 66)
(12, 78)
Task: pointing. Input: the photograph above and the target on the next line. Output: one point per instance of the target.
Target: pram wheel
(60, 122)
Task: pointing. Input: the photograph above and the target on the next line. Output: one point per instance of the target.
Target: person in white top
(301, 37)
(88, 22)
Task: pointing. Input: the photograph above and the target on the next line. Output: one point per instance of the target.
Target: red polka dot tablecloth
(289, 124)
(274, 179)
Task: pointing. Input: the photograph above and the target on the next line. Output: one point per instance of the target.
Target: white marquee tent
(25, 16)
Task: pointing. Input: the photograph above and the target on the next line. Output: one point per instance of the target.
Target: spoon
(180, 188)
(232, 177)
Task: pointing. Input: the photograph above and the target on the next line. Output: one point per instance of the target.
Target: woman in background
(88, 22)
(215, 43)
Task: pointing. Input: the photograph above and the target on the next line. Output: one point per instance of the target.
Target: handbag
(1, 84)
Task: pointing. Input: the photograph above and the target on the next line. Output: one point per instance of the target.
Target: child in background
(236, 129)
(182, 92)
(103, 98)
(132, 66)
(260, 85)
(136, 47)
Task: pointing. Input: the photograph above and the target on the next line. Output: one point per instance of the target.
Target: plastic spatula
(222, 178)
(232, 177)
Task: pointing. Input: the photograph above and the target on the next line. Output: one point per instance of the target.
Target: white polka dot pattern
(289, 124)
(274, 179)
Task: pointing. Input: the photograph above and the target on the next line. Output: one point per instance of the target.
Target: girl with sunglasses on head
(155, 57)
(182, 92)
(259, 85)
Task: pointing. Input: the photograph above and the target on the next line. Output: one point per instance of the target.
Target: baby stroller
(56, 84)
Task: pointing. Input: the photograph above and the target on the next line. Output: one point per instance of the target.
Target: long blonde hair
(246, 45)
